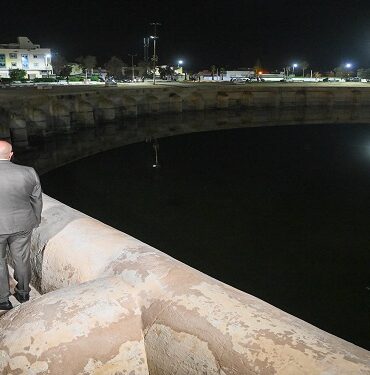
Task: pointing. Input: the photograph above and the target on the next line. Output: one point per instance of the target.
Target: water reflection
(47, 153)
(281, 213)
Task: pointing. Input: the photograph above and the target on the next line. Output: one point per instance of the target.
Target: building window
(35, 56)
(25, 62)
(14, 64)
(13, 55)
(2, 60)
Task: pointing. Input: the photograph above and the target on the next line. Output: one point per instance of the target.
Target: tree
(340, 72)
(304, 65)
(58, 62)
(17, 74)
(364, 73)
(87, 62)
(222, 72)
(166, 72)
(66, 72)
(213, 71)
(287, 71)
(145, 67)
(115, 66)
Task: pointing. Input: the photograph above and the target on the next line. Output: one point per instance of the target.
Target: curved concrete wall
(114, 305)
(80, 124)
(63, 109)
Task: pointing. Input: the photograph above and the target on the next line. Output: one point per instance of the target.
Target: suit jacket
(20, 198)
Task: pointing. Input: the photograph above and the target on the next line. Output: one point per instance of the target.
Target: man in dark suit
(20, 212)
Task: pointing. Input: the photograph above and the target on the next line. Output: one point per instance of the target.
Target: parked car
(353, 79)
(330, 79)
(111, 83)
(238, 80)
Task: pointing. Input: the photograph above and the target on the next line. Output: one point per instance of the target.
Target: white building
(227, 75)
(25, 55)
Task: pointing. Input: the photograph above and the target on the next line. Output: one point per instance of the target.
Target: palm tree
(304, 65)
(213, 71)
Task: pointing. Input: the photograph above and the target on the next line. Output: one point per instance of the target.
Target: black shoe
(6, 305)
(21, 298)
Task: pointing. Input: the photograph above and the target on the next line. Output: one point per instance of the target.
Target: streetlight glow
(180, 62)
(348, 65)
(154, 37)
(294, 66)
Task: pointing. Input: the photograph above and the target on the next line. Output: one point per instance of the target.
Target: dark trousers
(19, 245)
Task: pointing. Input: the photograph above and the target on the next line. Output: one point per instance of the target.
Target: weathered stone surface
(93, 328)
(137, 302)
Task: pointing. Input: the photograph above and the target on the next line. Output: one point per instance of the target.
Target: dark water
(282, 213)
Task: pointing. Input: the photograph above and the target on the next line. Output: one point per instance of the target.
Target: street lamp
(154, 37)
(132, 66)
(154, 58)
(180, 62)
(48, 62)
(348, 66)
(294, 66)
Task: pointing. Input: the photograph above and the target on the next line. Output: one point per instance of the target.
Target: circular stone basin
(280, 212)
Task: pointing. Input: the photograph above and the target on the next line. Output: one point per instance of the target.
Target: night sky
(231, 34)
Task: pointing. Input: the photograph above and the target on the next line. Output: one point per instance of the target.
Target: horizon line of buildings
(37, 63)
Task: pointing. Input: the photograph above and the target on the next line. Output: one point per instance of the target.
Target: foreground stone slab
(109, 295)
(93, 328)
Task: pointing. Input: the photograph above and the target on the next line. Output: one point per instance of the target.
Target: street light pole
(154, 37)
(132, 66)
(294, 66)
(348, 66)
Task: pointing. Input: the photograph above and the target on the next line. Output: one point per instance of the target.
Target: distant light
(348, 65)
(295, 65)
(260, 73)
(180, 62)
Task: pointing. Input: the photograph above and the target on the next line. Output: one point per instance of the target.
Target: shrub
(45, 79)
(17, 74)
(76, 79)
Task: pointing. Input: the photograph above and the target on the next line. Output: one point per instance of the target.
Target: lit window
(13, 55)
(25, 62)
(2, 60)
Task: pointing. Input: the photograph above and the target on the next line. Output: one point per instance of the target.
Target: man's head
(5, 150)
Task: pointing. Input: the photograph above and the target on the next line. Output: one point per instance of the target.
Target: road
(10, 91)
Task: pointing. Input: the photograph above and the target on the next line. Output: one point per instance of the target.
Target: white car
(239, 80)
